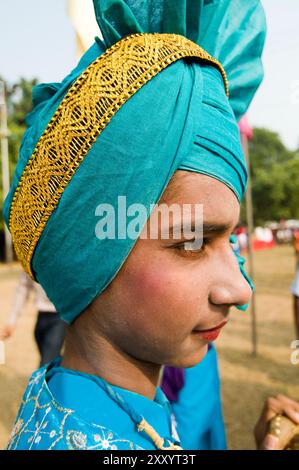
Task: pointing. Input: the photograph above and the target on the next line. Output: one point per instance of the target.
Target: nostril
(244, 304)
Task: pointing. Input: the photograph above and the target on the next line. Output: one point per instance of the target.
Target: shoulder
(43, 424)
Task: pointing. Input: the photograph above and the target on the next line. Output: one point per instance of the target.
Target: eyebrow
(208, 228)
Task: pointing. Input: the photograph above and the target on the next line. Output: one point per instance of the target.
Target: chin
(190, 360)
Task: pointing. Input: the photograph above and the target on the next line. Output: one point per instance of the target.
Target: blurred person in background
(49, 329)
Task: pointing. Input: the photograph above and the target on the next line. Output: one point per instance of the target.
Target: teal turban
(180, 118)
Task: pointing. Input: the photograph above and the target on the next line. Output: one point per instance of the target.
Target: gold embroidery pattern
(89, 105)
(43, 424)
(37, 431)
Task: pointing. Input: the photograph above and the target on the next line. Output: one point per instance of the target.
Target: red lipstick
(212, 333)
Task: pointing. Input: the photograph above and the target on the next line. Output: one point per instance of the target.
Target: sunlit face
(164, 294)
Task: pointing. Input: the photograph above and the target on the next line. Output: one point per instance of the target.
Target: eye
(183, 247)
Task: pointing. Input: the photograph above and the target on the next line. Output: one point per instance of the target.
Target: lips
(211, 334)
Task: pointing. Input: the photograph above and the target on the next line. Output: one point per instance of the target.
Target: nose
(230, 287)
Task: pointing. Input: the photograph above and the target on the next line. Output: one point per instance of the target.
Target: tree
(275, 178)
(266, 149)
(19, 104)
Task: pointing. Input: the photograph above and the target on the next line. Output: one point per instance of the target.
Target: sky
(37, 39)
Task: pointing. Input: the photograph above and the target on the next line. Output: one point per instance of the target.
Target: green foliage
(266, 149)
(275, 178)
(19, 104)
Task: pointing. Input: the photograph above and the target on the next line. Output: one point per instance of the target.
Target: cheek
(163, 296)
(155, 285)
(161, 302)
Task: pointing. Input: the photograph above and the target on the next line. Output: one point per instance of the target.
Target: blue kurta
(198, 410)
(65, 409)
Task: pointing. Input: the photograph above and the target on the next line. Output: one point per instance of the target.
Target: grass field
(246, 380)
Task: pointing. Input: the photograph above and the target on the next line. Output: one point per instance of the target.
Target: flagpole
(250, 229)
(5, 166)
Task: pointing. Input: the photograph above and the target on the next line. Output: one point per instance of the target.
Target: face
(165, 295)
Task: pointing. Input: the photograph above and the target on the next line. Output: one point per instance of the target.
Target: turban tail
(232, 31)
(179, 119)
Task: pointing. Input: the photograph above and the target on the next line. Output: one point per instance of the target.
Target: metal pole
(250, 225)
(5, 166)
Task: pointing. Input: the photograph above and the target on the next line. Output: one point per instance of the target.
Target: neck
(101, 358)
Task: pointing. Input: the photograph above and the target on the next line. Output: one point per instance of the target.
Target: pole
(250, 225)
(5, 166)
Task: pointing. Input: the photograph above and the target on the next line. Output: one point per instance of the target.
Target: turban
(143, 102)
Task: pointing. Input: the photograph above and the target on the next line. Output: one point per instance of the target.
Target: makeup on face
(210, 334)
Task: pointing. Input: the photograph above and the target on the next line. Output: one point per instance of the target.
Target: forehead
(218, 200)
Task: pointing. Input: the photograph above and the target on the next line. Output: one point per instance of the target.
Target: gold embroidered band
(86, 109)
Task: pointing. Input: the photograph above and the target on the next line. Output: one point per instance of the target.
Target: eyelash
(181, 247)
